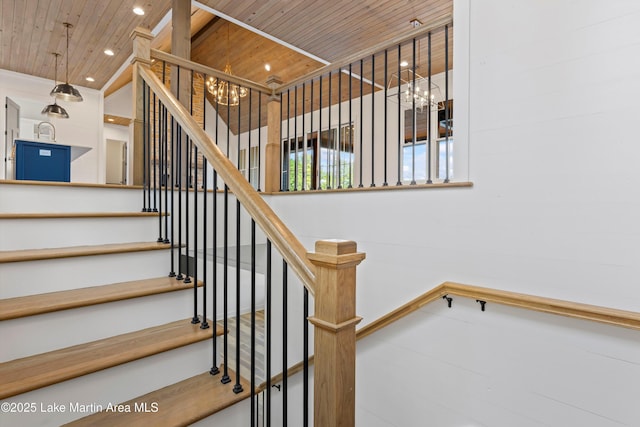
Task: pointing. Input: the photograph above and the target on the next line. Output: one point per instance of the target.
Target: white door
(12, 133)
(116, 162)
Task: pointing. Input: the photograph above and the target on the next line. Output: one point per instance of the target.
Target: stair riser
(20, 234)
(34, 277)
(66, 328)
(40, 198)
(115, 385)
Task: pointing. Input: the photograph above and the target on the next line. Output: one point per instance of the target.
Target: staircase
(90, 321)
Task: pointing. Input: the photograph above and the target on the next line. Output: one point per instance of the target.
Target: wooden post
(181, 87)
(141, 58)
(335, 323)
(272, 149)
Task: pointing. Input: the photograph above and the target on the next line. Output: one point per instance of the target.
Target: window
(242, 162)
(310, 164)
(416, 162)
(254, 166)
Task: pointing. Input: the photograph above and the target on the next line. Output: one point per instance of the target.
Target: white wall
(120, 102)
(83, 128)
(553, 90)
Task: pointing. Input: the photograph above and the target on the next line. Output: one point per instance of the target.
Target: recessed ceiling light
(110, 119)
(138, 11)
(404, 63)
(267, 67)
(108, 52)
(90, 79)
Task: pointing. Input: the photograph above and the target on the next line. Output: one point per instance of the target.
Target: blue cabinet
(39, 161)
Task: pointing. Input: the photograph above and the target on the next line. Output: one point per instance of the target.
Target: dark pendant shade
(66, 92)
(54, 110)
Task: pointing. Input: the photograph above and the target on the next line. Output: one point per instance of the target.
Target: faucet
(53, 128)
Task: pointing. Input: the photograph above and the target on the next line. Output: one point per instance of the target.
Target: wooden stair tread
(179, 404)
(77, 251)
(33, 372)
(30, 305)
(56, 215)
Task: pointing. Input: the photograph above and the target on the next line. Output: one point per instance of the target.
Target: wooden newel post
(141, 58)
(335, 323)
(272, 150)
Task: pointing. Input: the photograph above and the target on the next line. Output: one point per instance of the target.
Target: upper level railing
(381, 117)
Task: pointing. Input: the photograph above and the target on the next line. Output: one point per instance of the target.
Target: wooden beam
(141, 58)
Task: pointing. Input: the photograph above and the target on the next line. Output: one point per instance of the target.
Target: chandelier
(223, 91)
(414, 88)
(420, 93)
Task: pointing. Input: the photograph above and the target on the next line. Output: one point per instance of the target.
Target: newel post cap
(336, 253)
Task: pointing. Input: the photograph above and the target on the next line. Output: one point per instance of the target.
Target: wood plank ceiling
(31, 30)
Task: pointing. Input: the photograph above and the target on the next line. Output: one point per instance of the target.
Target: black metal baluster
(330, 152)
(446, 100)
(386, 79)
(282, 169)
(187, 277)
(400, 130)
(259, 138)
(305, 346)
(319, 184)
(268, 334)
(205, 197)
(238, 387)
(158, 133)
(429, 136)
(166, 175)
(295, 138)
(314, 150)
(179, 189)
(361, 119)
(373, 119)
(214, 304)
(195, 318)
(172, 273)
(285, 373)
(249, 144)
(225, 283)
(253, 322)
(414, 116)
(340, 142)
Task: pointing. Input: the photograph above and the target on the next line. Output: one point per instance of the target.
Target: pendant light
(64, 91)
(54, 110)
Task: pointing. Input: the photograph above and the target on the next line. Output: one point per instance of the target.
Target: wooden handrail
(336, 65)
(610, 316)
(190, 65)
(281, 237)
(595, 313)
